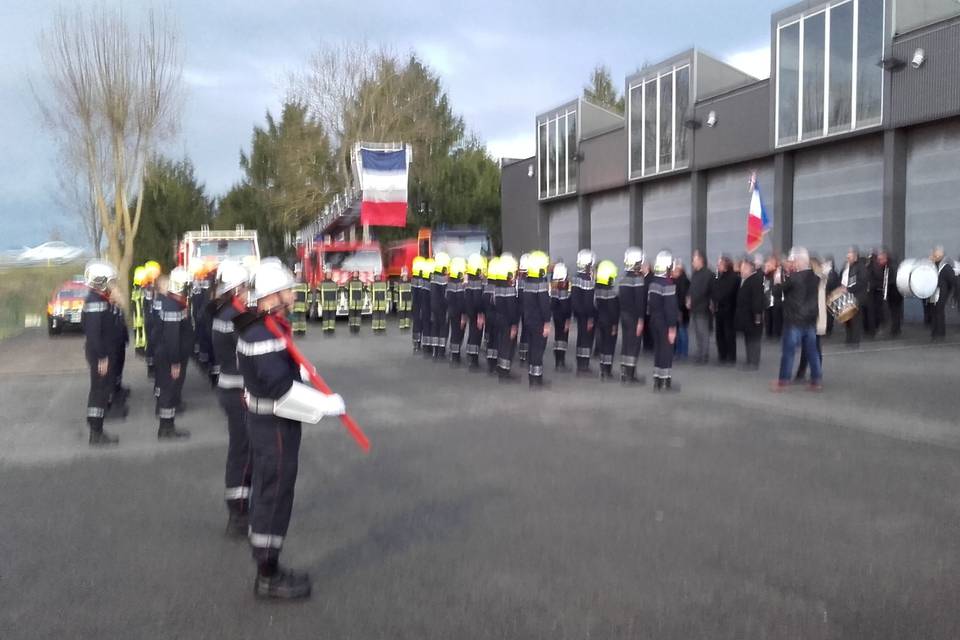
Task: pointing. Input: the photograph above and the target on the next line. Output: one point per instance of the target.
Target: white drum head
(903, 277)
(923, 279)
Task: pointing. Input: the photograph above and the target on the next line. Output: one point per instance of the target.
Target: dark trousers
(275, 452)
(238, 467)
(561, 334)
(649, 342)
(773, 321)
(802, 367)
(607, 343)
(726, 338)
(119, 360)
(440, 327)
(457, 329)
(895, 317)
(584, 342)
(630, 343)
(417, 332)
(663, 350)
(536, 345)
(170, 389)
(751, 342)
(474, 335)
(493, 338)
(854, 329)
(99, 396)
(426, 331)
(938, 318)
(868, 314)
(700, 321)
(507, 345)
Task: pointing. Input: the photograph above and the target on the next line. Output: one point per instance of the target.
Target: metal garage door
(728, 200)
(933, 190)
(838, 197)
(610, 225)
(666, 217)
(564, 232)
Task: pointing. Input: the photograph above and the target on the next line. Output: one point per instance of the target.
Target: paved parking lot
(484, 511)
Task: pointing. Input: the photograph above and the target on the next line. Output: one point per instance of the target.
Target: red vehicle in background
(456, 242)
(65, 309)
(340, 260)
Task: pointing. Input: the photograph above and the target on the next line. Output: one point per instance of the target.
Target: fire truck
(206, 247)
(339, 259)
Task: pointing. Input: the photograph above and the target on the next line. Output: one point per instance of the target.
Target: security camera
(529, 170)
(712, 119)
(919, 57)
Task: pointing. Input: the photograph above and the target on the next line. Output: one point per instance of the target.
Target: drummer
(855, 280)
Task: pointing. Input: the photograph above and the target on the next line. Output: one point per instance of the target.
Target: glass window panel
(636, 129)
(562, 154)
(552, 157)
(788, 76)
(666, 122)
(869, 53)
(813, 69)
(572, 151)
(650, 127)
(542, 141)
(681, 103)
(841, 67)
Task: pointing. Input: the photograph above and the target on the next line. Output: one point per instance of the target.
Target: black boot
(282, 584)
(657, 384)
(439, 353)
(669, 386)
(455, 359)
(238, 522)
(606, 372)
(505, 375)
(629, 375)
(562, 361)
(474, 362)
(214, 379)
(537, 382)
(151, 371)
(416, 347)
(427, 352)
(99, 437)
(583, 367)
(491, 366)
(169, 431)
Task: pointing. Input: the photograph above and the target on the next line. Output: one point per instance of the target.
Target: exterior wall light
(712, 119)
(919, 57)
(529, 170)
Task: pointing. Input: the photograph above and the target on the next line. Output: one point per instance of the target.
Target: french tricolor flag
(758, 223)
(383, 179)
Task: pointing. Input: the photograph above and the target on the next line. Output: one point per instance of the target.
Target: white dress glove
(333, 405)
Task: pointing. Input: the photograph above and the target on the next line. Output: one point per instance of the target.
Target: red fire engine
(340, 260)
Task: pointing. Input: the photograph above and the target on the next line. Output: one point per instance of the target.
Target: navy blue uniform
(523, 341)
(608, 320)
(491, 323)
(456, 307)
(268, 372)
(121, 337)
(632, 291)
(562, 311)
(416, 302)
(663, 309)
(507, 306)
(174, 345)
(535, 309)
(427, 340)
(585, 312)
(149, 320)
(473, 307)
(99, 330)
(230, 395)
(439, 324)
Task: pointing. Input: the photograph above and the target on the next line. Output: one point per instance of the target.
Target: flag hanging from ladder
(383, 180)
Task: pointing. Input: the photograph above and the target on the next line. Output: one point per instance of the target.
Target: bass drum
(917, 278)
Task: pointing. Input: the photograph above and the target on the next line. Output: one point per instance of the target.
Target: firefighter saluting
(276, 401)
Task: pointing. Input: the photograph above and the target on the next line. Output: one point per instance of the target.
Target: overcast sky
(502, 61)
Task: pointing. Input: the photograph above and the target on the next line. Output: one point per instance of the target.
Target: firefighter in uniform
(354, 301)
(416, 302)
(136, 307)
(230, 302)
(491, 319)
(663, 310)
(439, 324)
(456, 307)
(523, 344)
(272, 382)
(298, 319)
(507, 305)
(328, 304)
(378, 296)
(608, 316)
(535, 311)
(198, 312)
(152, 269)
(584, 310)
(473, 307)
(426, 318)
(121, 338)
(404, 300)
(632, 291)
(98, 328)
(562, 311)
(174, 343)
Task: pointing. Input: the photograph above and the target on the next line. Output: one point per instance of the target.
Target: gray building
(854, 139)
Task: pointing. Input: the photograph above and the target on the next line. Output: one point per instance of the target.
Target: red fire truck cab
(340, 260)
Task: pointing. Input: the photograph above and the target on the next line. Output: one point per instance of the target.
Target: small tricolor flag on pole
(383, 180)
(758, 223)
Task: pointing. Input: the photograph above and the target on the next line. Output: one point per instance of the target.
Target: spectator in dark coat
(698, 304)
(725, 307)
(682, 283)
(749, 312)
(800, 312)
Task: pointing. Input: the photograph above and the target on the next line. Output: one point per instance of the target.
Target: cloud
(756, 62)
(520, 145)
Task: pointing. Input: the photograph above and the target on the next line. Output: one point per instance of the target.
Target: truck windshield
(224, 249)
(352, 261)
(461, 246)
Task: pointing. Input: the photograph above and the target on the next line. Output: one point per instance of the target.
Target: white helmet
(559, 271)
(271, 277)
(98, 274)
(230, 275)
(180, 278)
(524, 262)
(663, 263)
(586, 259)
(633, 257)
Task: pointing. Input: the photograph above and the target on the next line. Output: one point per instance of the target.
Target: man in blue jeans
(800, 311)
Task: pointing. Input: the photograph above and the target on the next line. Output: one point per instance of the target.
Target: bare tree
(74, 193)
(113, 94)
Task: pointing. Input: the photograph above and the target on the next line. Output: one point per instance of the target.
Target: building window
(556, 153)
(657, 108)
(828, 77)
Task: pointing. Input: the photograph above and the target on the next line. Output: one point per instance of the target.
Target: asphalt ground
(589, 510)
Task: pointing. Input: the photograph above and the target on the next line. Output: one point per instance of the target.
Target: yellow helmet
(457, 267)
(495, 269)
(152, 271)
(606, 272)
(417, 268)
(537, 264)
(138, 275)
(476, 264)
(441, 261)
(427, 268)
(508, 266)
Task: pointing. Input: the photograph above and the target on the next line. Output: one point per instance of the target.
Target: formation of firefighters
(237, 326)
(506, 308)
